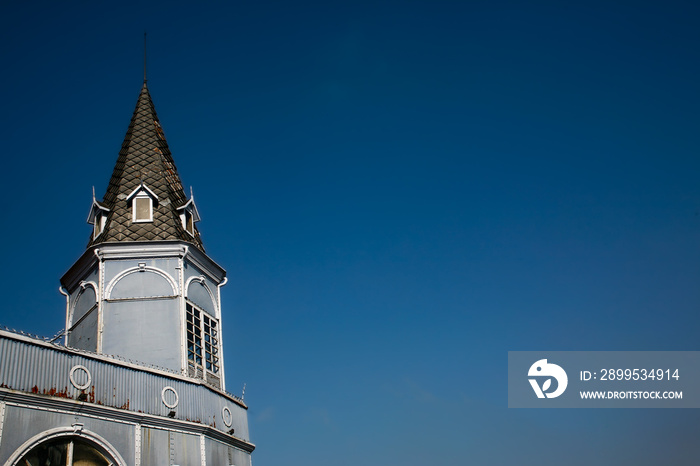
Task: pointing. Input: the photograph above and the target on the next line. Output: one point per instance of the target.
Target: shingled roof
(145, 160)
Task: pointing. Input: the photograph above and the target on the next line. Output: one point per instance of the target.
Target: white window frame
(215, 352)
(189, 208)
(97, 218)
(142, 192)
(189, 222)
(99, 224)
(68, 437)
(134, 201)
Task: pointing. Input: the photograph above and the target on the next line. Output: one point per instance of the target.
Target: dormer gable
(142, 201)
(189, 215)
(97, 216)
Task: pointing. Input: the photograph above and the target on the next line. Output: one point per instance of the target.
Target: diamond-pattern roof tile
(145, 158)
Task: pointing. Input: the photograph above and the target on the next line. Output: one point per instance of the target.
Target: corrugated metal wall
(34, 366)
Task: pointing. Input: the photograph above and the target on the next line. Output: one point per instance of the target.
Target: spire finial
(144, 57)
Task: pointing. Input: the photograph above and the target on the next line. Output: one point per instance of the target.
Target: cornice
(21, 399)
(140, 250)
(78, 270)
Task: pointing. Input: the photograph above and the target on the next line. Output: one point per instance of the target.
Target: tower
(144, 289)
(139, 379)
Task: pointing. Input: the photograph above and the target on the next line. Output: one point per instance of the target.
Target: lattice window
(194, 334)
(202, 339)
(211, 344)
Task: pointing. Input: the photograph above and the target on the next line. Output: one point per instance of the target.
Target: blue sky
(401, 193)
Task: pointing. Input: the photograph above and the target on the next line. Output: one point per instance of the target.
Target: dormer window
(189, 223)
(98, 225)
(97, 217)
(189, 215)
(142, 200)
(143, 209)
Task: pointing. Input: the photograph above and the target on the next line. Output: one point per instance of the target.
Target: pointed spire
(145, 160)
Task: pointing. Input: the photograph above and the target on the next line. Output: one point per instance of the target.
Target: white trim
(99, 220)
(203, 281)
(137, 269)
(71, 312)
(2, 418)
(146, 249)
(195, 256)
(183, 221)
(100, 297)
(140, 249)
(93, 208)
(139, 188)
(202, 449)
(190, 207)
(183, 316)
(137, 445)
(221, 335)
(69, 432)
(65, 293)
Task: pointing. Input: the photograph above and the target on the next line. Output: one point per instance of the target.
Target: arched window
(82, 326)
(66, 451)
(141, 282)
(203, 338)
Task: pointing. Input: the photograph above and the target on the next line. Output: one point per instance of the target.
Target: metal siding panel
(138, 335)
(84, 336)
(154, 448)
(29, 422)
(24, 366)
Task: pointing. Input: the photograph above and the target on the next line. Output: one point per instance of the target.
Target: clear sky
(401, 193)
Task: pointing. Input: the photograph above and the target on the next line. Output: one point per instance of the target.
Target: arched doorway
(66, 448)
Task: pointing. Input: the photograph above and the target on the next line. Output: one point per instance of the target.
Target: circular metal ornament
(227, 416)
(80, 377)
(169, 397)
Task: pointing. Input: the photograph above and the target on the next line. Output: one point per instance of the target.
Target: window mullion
(69, 455)
(204, 350)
